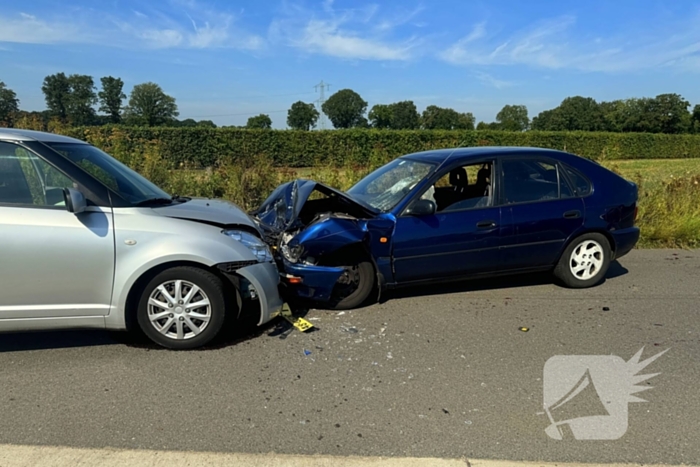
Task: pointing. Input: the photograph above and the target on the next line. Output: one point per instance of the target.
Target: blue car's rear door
(540, 209)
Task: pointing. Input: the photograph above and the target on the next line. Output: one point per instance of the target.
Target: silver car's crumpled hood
(210, 211)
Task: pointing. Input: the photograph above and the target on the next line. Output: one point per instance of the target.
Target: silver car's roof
(14, 134)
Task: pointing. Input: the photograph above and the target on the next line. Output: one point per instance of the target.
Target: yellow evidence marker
(298, 322)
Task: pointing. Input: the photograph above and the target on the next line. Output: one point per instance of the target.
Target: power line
(238, 115)
(322, 87)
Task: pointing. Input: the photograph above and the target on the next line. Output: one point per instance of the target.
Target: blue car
(447, 215)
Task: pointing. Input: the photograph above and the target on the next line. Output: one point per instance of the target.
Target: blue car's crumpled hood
(280, 211)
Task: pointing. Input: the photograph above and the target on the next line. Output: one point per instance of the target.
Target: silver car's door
(53, 263)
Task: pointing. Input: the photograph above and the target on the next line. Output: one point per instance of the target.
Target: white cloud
(489, 80)
(553, 44)
(357, 34)
(187, 24)
(27, 29)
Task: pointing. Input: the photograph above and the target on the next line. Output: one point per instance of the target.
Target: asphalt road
(435, 372)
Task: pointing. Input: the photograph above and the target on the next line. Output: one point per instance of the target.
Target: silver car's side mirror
(75, 200)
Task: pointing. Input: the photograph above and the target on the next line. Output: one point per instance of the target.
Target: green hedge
(204, 147)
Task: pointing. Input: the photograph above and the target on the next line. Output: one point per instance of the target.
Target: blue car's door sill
(483, 275)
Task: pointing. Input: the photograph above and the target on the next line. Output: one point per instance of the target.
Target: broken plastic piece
(307, 352)
(524, 329)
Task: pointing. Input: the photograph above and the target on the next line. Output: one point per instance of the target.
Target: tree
(513, 118)
(9, 105)
(380, 116)
(488, 126)
(260, 122)
(404, 116)
(206, 124)
(149, 105)
(696, 118)
(111, 98)
(397, 116)
(345, 109)
(302, 116)
(670, 114)
(81, 99)
(438, 118)
(574, 113)
(56, 89)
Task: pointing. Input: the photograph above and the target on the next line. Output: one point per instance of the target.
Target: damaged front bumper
(264, 280)
(307, 281)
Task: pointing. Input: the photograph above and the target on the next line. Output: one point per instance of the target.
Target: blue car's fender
(325, 239)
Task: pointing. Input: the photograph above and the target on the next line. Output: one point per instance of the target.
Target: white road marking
(51, 456)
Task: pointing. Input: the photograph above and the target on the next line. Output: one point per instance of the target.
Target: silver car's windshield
(386, 186)
(127, 183)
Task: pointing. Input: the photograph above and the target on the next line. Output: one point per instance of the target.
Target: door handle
(572, 214)
(485, 224)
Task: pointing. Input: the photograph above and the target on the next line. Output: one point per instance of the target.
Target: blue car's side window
(581, 184)
(529, 180)
(466, 187)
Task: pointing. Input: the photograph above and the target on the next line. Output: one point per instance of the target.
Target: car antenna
(451, 153)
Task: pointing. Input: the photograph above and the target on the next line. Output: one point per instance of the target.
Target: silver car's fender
(145, 240)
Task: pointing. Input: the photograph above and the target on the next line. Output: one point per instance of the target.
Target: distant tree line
(75, 100)
(665, 113)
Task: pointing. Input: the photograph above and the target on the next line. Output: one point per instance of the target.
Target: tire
(176, 329)
(584, 262)
(356, 293)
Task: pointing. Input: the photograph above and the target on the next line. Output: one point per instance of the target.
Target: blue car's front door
(446, 244)
(462, 237)
(540, 209)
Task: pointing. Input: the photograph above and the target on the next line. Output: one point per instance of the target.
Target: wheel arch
(130, 305)
(608, 236)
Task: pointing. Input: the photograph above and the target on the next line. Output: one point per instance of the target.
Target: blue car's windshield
(386, 186)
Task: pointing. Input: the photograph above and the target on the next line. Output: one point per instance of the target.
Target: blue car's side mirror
(422, 207)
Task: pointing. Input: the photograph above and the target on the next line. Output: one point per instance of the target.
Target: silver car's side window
(26, 179)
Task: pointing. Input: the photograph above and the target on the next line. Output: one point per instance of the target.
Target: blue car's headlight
(253, 243)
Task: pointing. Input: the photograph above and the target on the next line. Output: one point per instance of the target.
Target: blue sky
(227, 60)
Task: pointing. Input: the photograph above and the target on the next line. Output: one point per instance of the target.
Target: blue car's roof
(440, 155)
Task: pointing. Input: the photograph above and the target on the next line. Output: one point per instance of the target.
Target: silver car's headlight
(253, 243)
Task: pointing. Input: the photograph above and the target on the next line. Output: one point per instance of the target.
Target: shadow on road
(246, 327)
(494, 283)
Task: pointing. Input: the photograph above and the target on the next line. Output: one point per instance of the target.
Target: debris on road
(523, 329)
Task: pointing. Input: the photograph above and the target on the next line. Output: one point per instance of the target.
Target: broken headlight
(253, 243)
(292, 253)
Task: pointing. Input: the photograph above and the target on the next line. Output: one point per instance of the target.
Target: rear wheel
(354, 286)
(585, 261)
(182, 308)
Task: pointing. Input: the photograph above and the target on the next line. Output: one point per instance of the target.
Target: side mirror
(75, 200)
(422, 207)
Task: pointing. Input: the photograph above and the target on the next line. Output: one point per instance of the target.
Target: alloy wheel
(586, 260)
(179, 309)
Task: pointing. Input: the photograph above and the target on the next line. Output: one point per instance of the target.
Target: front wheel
(182, 308)
(354, 286)
(585, 261)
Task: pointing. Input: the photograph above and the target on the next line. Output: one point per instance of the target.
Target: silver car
(86, 242)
